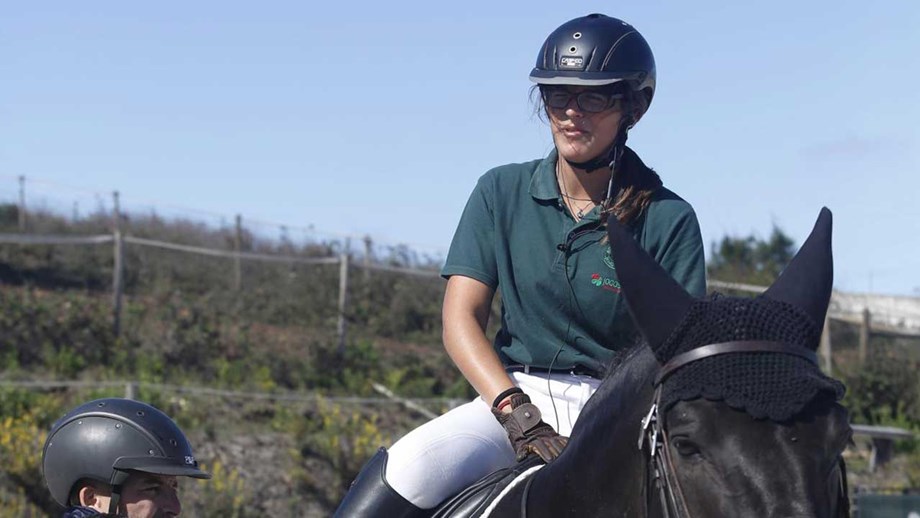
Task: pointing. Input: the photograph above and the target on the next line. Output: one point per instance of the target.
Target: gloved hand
(527, 431)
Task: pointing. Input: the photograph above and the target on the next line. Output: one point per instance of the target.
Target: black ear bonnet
(764, 384)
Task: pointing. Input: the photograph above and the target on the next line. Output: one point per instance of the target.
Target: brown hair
(637, 185)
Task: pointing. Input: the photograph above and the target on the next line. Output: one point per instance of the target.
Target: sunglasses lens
(593, 102)
(590, 101)
(556, 98)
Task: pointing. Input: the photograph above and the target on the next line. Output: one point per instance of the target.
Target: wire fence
(256, 241)
(77, 203)
(237, 245)
(131, 389)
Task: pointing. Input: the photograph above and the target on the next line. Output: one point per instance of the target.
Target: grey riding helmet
(596, 50)
(103, 439)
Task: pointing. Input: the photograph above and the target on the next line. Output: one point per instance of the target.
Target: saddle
(472, 501)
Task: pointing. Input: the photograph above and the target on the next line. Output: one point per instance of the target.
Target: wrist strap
(506, 393)
(527, 416)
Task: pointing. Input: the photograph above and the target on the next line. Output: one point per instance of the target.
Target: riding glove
(527, 431)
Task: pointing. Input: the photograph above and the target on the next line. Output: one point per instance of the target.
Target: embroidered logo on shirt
(607, 283)
(608, 260)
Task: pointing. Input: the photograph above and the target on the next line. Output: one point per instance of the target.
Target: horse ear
(655, 300)
(807, 281)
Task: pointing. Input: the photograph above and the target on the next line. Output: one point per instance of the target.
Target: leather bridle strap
(843, 500)
(677, 497)
(747, 346)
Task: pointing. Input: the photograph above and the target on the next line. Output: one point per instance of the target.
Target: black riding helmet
(102, 440)
(598, 50)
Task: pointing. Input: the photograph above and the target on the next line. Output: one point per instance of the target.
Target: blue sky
(378, 117)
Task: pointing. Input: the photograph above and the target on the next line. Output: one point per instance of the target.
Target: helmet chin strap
(117, 483)
(607, 157)
(114, 501)
(610, 158)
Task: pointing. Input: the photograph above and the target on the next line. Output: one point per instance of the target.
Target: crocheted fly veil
(768, 385)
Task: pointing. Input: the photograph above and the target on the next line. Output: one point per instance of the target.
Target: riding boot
(371, 496)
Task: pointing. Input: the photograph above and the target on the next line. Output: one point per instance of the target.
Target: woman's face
(581, 135)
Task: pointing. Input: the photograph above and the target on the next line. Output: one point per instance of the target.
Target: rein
(660, 463)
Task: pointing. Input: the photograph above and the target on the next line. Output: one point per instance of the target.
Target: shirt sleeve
(472, 250)
(673, 238)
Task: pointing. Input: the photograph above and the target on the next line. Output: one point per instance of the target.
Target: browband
(747, 346)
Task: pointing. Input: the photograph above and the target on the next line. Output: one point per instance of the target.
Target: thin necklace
(576, 199)
(580, 212)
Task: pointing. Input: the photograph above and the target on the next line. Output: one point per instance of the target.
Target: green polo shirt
(563, 303)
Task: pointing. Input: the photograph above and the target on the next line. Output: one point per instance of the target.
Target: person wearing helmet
(537, 232)
(117, 457)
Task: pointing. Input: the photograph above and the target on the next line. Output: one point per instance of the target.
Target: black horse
(722, 412)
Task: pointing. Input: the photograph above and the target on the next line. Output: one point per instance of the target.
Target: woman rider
(536, 231)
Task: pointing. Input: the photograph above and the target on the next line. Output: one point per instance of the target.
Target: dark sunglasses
(590, 101)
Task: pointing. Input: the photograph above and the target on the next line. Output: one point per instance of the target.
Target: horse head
(744, 423)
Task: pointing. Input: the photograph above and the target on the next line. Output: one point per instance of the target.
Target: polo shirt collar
(543, 184)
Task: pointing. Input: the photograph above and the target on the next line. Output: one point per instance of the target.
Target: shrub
(21, 441)
(224, 495)
(885, 390)
(341, 439)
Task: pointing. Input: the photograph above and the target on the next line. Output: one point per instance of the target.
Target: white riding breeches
(447, 454)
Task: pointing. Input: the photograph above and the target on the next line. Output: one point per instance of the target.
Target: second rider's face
(143, 495)
(151, 496)
(580, 135)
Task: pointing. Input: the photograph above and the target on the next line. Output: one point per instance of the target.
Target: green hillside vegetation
(185, 325)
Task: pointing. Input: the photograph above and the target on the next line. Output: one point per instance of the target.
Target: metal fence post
(131, 390)
(118, 267)
(368, 248)
(22, 204)
(864, 335)
(343, 301)
(237, 247)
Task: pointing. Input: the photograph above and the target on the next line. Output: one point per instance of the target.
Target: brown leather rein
(661, 465)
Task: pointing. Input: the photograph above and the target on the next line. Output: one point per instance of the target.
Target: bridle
(660, 464)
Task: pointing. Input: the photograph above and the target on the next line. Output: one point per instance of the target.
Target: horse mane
(606, 415)
(629, 376)
(611, 416)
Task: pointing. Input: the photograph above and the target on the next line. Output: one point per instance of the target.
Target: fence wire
(131, 387)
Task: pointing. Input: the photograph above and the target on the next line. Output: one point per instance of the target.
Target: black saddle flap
(472, 501)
